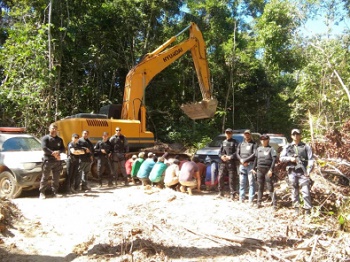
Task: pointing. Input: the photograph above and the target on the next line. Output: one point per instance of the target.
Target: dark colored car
(20, 162)
(212, 149)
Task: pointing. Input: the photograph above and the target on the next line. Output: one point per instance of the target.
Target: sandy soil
(137, 224)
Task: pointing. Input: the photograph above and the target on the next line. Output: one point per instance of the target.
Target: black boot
(126, 181)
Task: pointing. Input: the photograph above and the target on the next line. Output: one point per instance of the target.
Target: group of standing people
(256, 163)
(108, 152)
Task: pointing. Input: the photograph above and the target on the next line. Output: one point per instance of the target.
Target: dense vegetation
(58, 58)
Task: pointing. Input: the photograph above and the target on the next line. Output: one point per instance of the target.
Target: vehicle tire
(8, 186)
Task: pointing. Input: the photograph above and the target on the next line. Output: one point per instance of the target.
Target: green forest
(268, 72)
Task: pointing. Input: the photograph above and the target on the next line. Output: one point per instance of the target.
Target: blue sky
(313, 27)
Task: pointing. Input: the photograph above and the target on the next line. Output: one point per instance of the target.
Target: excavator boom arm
(153, 63)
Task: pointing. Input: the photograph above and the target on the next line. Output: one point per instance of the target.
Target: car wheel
(8, 186)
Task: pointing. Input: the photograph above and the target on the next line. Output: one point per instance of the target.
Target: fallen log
(235, 239)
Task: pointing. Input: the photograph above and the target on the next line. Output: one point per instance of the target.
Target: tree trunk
(50, 62)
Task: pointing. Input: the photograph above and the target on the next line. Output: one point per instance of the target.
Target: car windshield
(21, 144)
(218, 140)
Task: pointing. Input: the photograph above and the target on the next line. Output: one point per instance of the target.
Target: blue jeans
(245, 175)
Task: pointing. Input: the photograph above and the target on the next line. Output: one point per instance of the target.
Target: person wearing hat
(264, 163)
(136, 166)
(145, 169)
(227, 154)
(52, 146)
(74, 150)
(299, 159)
(246, 155)
(120, 147)
(102, 150)
(128, 165)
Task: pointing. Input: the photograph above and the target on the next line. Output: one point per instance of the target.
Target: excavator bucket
(200, 110)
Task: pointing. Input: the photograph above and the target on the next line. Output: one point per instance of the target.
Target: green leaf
(341, 220)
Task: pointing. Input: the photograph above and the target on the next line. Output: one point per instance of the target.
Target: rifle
(300, 164)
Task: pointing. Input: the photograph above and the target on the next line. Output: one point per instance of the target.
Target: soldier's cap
(247, 131)
(75, 135)
(134, 157)
(105, 134)
(264, 137)
(228, 130)
(141, 154)
(150, 154)
(295, 131)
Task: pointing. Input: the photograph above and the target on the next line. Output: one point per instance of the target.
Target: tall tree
(23, 93)
(280, 54)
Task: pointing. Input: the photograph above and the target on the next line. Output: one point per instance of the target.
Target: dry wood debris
(152, 224)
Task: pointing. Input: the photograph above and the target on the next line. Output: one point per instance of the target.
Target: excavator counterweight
(200, 110)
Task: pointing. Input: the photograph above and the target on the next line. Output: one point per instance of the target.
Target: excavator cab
(200, 110)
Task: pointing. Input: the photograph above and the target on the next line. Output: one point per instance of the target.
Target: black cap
(264, 137)
(75, 135)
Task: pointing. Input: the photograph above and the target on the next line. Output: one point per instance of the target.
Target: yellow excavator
(131, 115)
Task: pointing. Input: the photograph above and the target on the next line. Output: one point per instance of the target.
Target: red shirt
(128, 165)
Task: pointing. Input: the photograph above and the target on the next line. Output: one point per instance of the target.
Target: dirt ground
(137, 224)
